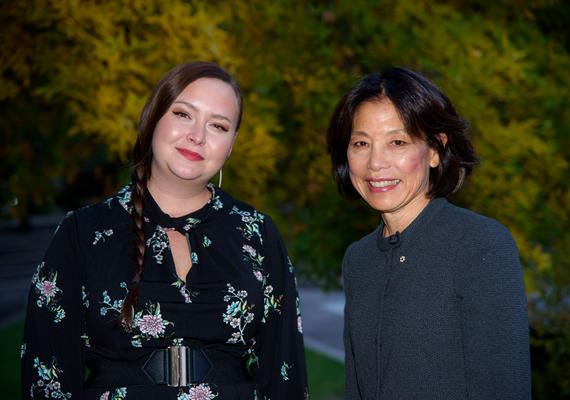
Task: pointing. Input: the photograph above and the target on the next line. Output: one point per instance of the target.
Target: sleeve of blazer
(351, 391)
(493, 316)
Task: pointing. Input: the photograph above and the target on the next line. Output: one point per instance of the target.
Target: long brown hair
(161, 98)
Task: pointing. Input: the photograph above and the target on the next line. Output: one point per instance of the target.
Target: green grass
(326, 377)
(325, 374)
(11, 339)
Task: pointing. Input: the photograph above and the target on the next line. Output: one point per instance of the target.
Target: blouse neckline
(153, 213)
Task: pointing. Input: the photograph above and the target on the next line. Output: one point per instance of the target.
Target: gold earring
(220, 179)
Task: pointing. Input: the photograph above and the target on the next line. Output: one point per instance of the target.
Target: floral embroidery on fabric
(252, 256)
(48, 381)
(101, 235)
(124, 198)
(158, 243)
(177, 341)
(285, 371)
(85, 340)
(290, 264)
(108, 201)
(270, 302)
(206, 242)
(150, 324)
(22, 350)
(84, 298)
(251, 357)
(299, 319)
(187, 294)
(47, 290)
(238, 313)
(191, 223)
(114, 305)
(216, 202)
(251, 221)
(117, 394)
(201, 391)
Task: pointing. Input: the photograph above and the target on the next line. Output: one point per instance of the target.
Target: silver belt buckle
(178, 365)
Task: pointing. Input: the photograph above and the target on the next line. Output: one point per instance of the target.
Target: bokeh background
(76, 73)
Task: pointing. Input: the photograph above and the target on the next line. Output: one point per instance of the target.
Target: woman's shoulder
(364, 246)
(471, 225)
(238, 209)
(113, 211)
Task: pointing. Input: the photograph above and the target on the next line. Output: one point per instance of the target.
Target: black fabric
(436, 312)
(238, 303)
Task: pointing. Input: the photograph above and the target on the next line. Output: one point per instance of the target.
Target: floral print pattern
(270, 302)
(117, 394)
(216, 202)
(124, 198)
(191, 223)
(187, 294)
(238, 313)
(112, 305)
(198, 392)
(101, 235)
(150, 324)
(46, 288)
(243, 279)
(252, 221)
(48, 381)
(158, 244)
(285, 371)
(299, 319)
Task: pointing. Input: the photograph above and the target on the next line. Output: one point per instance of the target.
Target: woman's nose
(196, 134)
(377, 159)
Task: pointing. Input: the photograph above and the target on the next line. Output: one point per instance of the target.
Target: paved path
(21, 251)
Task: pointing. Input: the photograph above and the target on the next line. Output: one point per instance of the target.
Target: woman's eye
(359, 143)
(181, 114)
(398, 142)
(220, 127)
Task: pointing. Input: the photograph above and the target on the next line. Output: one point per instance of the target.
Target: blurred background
(75, 75)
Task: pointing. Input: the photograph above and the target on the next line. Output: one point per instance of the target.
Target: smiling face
(195, 136)
(389, 168)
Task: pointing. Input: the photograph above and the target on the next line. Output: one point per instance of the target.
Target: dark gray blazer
(436, 312)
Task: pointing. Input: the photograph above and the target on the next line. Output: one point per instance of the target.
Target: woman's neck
(178, 200)
(399, 220)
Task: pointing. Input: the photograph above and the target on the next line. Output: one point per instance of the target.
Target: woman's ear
(442, 138)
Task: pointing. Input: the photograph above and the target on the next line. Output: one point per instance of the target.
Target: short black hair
(425, 112)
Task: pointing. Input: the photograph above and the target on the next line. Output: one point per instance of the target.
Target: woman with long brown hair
(170, 289)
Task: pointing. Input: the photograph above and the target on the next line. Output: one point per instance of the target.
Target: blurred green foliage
(75, 75)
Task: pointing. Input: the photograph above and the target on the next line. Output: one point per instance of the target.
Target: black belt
(177, 366)
(172, 366)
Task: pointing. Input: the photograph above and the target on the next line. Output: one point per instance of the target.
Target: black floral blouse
(239, 301)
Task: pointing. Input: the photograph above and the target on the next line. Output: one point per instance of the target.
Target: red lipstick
(190, 155)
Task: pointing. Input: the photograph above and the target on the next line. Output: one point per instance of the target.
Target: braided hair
(161, 98)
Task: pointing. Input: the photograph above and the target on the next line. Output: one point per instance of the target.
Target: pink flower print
(258, 275)
(201, 392)
(104, 396)
(48, 288)
(234, 323)
(300, 324)
(250, 250)
(151, 324)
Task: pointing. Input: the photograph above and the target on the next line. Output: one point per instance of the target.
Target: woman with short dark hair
(169, 289)
(435, 301)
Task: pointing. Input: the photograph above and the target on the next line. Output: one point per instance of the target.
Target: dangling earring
(220, 179)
